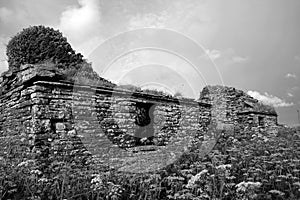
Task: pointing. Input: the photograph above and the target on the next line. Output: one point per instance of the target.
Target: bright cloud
(289, 75)
(3, 58)
(213, 54)
(269, 99)
(82, 24)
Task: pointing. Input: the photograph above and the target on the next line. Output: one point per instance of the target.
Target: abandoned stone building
(48, 115)
(235, 107)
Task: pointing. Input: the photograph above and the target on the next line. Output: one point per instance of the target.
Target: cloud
(82, 25)
(213, 54)
(290, 94)
(226, 57)
(3, 66)
(79, 21)
(3, 58)
(297, 58)
(269, 99)
(289, 75)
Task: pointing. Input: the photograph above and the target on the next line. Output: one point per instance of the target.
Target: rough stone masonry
(44, 116)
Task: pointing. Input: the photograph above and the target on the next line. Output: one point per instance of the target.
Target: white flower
(36, 171)
(276, 192)
(243, 186)
(143, 139)
(96, 179)
(223, 167)
(96, 182)
(196, 178)
(25, 163)
(297, 184)
(43, 180)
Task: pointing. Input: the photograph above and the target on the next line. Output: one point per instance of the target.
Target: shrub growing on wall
(39, 43)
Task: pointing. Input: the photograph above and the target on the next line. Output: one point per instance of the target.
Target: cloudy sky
(178, 45)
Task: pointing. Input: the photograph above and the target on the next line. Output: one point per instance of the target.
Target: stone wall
(237, 109)
(15, 116)
(46, 117)
(116, 127)
(258, 122)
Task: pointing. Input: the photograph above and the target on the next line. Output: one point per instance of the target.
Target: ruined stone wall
(226, 103)
(15, 115)
(251, 122)
(44, 116)
(108, 121)
(237, 109)
(120, 128)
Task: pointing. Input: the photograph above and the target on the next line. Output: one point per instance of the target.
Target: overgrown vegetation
(39, 43)
(241, 166)
(48, 47)
(156, 92)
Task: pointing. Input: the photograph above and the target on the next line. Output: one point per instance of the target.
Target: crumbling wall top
(234, 96)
